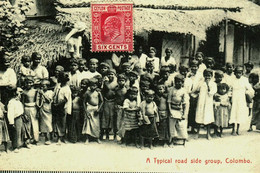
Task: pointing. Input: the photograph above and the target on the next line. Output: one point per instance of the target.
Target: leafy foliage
(12, 27)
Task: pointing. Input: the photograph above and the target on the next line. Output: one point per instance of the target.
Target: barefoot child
(30, 109)
(150, 117)
(131, 117)
(44, 101)
(239, 110)
(161, 102)
(62, 104)
(92, 103)
(204, 111)
(120, 94)
(178, 103)
(4, 135)
(107, 117)
(222, 107)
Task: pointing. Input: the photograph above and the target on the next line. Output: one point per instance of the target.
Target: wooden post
(225, 39)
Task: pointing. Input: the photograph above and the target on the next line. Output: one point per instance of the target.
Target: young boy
(25, 70)
(164, 76)
(229, 75)
(249, 67)
(178, 104)
(92, 103)
(30, 109)
(107, 118)
(17, 120)
(187, 81)
(239, 110)
(74, 73)
(62, 106)
(54, 79)
(150, 117)
(92, 69)
(44, 101)
(120, 95)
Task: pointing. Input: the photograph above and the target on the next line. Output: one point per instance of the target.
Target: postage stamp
(112, 27)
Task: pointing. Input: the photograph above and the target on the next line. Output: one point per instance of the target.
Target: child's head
(138, 68)
(218, 76)
(172, 68)
(209, 62)
(149, 96)
(93, 84)
(229, 68)
(29, 82)
(74, 91)
(36, 58)
(194, 65)
(63, 78)
(84, 84)
(82, 64)
(16, 93)
(168, 52)
(93, 64)
(133, 75)
(126, 67)
(161, 89)
(144, 85)
(132, 93)
(45, 84)
(149, 65)
(26, 61)
(184, 70)
(249, 67)
(253, 78)
(73, 65)
(104, 67)
(121, 80)
(164, 72)
(238, 71)
(152, 52)
(207, 74)
(59, 69)
(99, 80)
(199, 56)
(111, 74)
(223, 88)
(178, 81)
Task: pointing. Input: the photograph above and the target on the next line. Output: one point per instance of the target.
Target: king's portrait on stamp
(112, 27)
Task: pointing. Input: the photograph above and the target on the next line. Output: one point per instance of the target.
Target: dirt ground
(110, 156)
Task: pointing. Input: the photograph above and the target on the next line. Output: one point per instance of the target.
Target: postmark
(112, 27)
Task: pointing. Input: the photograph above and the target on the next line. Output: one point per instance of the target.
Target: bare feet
(47, 143)
(208, 137)
(233, 133)
(98, 141)
(86, 142)
(171, 145)
(250, 129)
(165, 145)
(238, 133)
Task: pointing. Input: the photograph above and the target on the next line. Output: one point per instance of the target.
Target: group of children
(93, 100)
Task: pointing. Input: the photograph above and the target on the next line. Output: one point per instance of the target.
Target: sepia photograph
(130, 86)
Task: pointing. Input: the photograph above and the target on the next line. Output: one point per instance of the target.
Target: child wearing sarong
(120, 94)
(150, 117)
(161, 102)
(107, 117)
(15, 113)
(222, 107)
(43, 102)
(61, 108)
(131, 117)
(178, 103)
(4, 135)
(30, 109)
(74, 124)
(92, 104)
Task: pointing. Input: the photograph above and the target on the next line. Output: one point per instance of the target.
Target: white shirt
(171, 61)
(8, 78)
(41, 72)
(14, 109)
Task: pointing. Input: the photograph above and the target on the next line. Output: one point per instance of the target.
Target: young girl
(161, 102)
(239, 110)
(205, 112)
(178, 103)
(4, 135)
(62, 104)
(150, 117)
(222, 107)
(92, 104)
(43, 102)
(131, 117)
(25, 70)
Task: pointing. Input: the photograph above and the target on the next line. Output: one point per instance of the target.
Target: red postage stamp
(112, 27)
